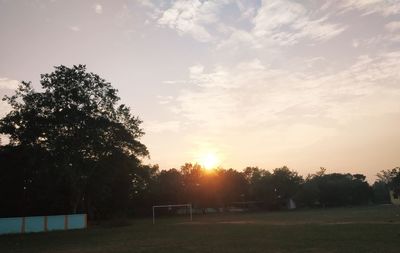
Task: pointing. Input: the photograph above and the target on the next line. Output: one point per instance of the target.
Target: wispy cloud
(282, 22)
(4, 108)
(367, 7)
(98, 8)
(378, 41)
(146, 3)
(74, 28)
(393, 26)
(286, 22)
(6, 83)
(162, 126)
(270, 112)
(192, 17)
(254, 94)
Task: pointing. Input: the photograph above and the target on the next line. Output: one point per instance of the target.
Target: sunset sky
(306, 84)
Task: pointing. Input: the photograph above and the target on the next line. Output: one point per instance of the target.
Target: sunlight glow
(209, 161)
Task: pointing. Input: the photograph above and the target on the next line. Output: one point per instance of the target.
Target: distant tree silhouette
(388, 180)
(380, 192)
(169, 187)
(334, 189)
(274, 189)
(390, 177)
(286, 183)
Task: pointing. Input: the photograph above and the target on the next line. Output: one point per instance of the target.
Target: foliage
(334, 190)
(380, 193)
(86, 146)
(387, 180)
(222, 188)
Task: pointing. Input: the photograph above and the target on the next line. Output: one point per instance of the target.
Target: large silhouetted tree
(90, 141)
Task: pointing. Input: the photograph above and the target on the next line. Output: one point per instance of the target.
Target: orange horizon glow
(209, 161)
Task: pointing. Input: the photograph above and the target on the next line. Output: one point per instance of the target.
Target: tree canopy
(76, 112)
(78, 132)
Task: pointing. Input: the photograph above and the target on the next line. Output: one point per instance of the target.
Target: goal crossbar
(170, 206)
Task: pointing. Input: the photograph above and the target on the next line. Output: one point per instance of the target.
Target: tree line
(74, 148)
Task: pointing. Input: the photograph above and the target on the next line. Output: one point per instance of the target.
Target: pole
(191, 216)
(170, 206)
(153, 217)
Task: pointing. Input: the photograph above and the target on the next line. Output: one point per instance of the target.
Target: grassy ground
(366, 229)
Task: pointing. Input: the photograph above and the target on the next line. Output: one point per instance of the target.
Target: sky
(306, 84)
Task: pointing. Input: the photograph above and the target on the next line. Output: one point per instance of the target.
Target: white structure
(170, 207)
(291, 204)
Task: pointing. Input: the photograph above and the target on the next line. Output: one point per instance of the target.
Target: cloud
(253, 94)
(146, 3)
(192, 17)
(196, 70)
(355, 43)
(239, 38)
(6, 85)
(74, 28)
(162, 126)
(98, 8)
(275, 14)
(367, 7)
(163, 100)
(393, 26)
(280, 22)
(283, 23)
(286, 22)
(378, 41)
(374, 72)
(262, 113)
(4, 108)
(10, 84)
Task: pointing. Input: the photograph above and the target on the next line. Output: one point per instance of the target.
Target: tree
(381, 194)
(388, 180)
(274, 189)
(335, 189)
(169, 187)
(390, 177)
(286, 182)
(78, 122)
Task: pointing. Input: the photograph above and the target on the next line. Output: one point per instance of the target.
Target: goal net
(173, 209)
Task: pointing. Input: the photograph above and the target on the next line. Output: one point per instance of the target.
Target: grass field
(365, 229)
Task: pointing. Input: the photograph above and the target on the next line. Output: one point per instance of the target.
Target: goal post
(189, 206)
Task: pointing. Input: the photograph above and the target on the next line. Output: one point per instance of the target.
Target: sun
(209, 161)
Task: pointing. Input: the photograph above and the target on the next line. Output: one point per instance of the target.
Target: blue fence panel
(10, 225)
(38, 223)
(34, 224)
(76, 221)
(56, 222)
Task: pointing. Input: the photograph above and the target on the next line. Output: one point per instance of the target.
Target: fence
(42, 223)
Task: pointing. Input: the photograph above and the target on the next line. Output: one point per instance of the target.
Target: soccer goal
(187, 206)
